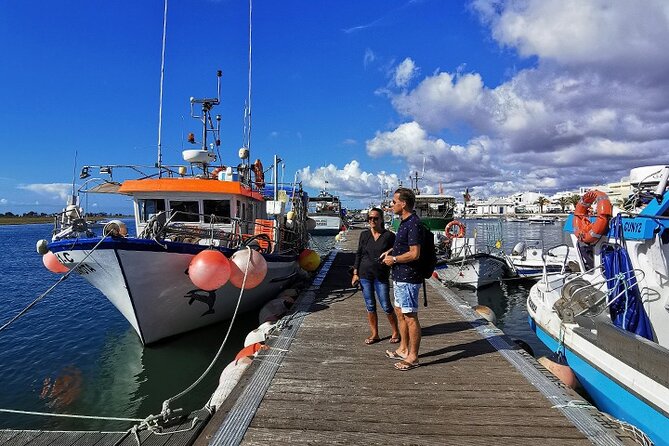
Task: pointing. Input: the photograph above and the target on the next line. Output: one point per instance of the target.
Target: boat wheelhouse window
(219, 208)
(238, 210)
(149, 207)
(187, 211)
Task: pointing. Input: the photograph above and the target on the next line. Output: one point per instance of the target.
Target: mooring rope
(58, 282)
(67, 415)
(151, 422)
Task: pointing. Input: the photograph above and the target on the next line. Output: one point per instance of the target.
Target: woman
(374, 276)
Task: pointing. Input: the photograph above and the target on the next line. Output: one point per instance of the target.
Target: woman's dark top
(367, 258)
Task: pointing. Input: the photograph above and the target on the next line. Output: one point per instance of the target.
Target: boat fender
(518, 249)
(259, 334)
(585, 230)
(289, 292)
(257, 268)
(309, 260)
(250, 351)
(230, 376)
(52, 263)
(209, 270)
(486, 313)
(272, 311)
(561, 370)
(455, 229)
(115, 228)
(42, 247)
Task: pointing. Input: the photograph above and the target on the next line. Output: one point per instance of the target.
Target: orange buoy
(561, 370)
(309, 260)
(585, 230)
(209, 270)
(455, 229)
(257, 270)
(53, 264)
(250, 350)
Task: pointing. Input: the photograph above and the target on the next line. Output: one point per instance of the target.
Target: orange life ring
(214, 173)
(585, 230)
(259, 173)
(452, 227)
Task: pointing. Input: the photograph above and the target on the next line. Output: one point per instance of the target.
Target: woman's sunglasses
(372, 218)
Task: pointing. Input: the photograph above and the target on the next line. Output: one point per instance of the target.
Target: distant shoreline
(50, 219)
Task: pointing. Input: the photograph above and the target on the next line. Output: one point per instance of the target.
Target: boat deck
(320, 384)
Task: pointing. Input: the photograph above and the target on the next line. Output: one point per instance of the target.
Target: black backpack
(428, 258)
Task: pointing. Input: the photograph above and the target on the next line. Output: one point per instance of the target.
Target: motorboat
(326, 210)
(464, 267)
(610, 321)
(179, 213)
(530, 260)
(541, 220)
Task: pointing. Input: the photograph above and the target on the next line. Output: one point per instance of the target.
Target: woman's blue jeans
(382, 293)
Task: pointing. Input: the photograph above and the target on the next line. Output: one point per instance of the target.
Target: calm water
(74, 353)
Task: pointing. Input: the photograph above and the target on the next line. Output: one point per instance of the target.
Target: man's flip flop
(393, 355)
(404, 366)
(370, 341)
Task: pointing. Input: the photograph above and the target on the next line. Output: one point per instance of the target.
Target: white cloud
(3, 201)
(350, 142)
(52, 190)
(351, 180)
(368, 58)
(594, 105)
(404, 72)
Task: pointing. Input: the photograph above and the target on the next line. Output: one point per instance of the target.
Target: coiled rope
(51, 288)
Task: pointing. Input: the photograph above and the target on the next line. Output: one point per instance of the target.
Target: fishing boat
(611, 320)
(182, 214)
(530, 260)
(325, 209)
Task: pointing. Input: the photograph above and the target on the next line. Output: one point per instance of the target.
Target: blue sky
(524, 95)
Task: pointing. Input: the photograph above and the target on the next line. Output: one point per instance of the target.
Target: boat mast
(160, 107)
(246, 143)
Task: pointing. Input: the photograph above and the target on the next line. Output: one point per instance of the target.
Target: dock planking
(473, 386)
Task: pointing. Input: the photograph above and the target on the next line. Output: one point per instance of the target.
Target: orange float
(309, 260)
(53, 264)
(455, 229)
(585, 230)
(209, 270)
(257, 268)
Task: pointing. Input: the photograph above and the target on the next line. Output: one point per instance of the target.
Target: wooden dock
(320, 384)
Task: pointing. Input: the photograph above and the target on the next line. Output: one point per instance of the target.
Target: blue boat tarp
(624, 298)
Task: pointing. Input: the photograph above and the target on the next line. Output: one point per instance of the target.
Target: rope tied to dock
(52, 287)
(153, 422)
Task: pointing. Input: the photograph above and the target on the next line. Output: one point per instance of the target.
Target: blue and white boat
(611, 320)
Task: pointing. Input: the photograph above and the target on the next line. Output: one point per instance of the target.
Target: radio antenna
(159, 163)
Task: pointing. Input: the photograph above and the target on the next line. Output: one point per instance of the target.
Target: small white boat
(611, 321)
(325, 210)
(466, 268)
(541, 220)
(530, 260)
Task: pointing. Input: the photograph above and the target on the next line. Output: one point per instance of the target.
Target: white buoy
(486, 313)
(259, 334)
(272, 311)
(42, 247)
(230, 376)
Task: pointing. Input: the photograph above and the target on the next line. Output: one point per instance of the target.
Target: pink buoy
(257, 268)
(309, 260)
(209, 270)
(53, 264)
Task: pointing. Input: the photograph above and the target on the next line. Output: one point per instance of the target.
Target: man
(406, 278)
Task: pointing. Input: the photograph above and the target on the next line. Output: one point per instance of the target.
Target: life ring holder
(591, 232)
(452, 227)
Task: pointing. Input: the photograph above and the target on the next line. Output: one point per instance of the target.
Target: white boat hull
(473, 272)
(326, 225)
(153, 291)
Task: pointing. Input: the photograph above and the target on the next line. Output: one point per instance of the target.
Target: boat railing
(545, 252)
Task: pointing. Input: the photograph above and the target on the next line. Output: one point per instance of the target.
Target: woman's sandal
(370, 341)
(394, 340)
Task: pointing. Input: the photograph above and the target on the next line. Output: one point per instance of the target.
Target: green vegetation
(32, 217)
